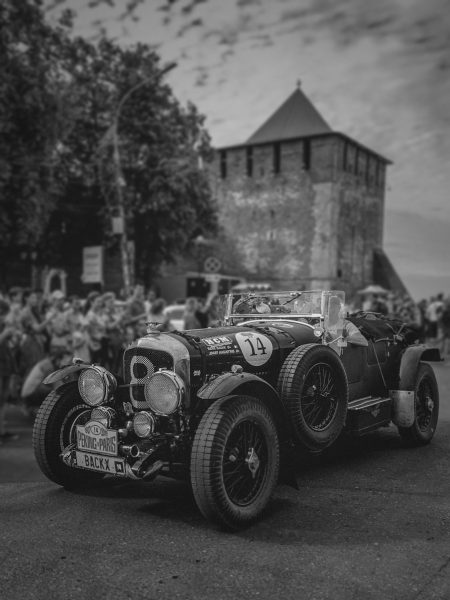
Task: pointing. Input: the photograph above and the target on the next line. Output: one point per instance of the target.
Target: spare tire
(313, 387)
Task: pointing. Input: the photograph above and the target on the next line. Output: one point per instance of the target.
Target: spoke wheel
(234, 461)
(245, 463)
(426, 402)
(320, 400)
(313, 387)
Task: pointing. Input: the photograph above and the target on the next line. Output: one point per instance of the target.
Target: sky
(376, 71)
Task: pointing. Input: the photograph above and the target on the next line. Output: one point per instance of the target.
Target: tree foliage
(60, 99)
(161, 144)
(31, 121)
(66, 105)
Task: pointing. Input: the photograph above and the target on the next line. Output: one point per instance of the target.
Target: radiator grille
(138, 365)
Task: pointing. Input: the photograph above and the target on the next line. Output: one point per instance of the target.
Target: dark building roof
(295, 118)
(384, 273)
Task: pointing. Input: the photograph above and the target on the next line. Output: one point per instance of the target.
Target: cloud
(187, 10)
(225, 55)
(245, 3)
(188, 26)
(262, 40)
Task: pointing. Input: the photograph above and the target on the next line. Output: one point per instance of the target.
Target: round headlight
(163, 392)
(96, 385)
(104, 415)
(143, 424)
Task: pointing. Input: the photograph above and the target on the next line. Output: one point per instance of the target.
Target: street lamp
(120, 179)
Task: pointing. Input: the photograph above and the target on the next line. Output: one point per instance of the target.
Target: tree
(60, 97)
(166, 194)
(32, 119)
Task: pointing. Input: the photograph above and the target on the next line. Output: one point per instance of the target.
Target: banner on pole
(92, 264)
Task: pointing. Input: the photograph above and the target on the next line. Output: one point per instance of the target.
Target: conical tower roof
(295, 118)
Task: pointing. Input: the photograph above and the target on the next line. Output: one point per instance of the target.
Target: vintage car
(228, 406)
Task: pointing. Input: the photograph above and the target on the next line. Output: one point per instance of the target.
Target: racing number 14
(260, 348)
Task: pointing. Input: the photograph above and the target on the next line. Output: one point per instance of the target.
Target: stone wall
(303, 213)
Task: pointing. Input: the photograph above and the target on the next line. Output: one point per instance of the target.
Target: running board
(369, 413)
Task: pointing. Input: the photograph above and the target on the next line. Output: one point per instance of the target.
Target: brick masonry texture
(312, 224)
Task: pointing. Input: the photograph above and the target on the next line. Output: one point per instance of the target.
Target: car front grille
(138, 365)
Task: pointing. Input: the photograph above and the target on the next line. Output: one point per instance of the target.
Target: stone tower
(302, 204)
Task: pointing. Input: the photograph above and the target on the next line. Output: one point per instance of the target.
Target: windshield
(277, 305)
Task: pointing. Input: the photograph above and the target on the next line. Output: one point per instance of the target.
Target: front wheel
(235, 461)
(55, 429)
(426, 399)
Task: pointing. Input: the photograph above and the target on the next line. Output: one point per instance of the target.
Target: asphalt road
(370, 520)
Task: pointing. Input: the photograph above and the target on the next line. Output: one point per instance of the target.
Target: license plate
(103, 464)
(95, 438)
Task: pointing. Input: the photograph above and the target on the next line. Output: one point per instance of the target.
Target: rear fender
(64, 375)
(247, 384)
(410, 364)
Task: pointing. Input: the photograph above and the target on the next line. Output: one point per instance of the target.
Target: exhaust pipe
(131, 450)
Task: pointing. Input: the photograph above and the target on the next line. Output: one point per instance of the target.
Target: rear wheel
(426, 400)
(235, 461)
(55, 429)
(313, 387)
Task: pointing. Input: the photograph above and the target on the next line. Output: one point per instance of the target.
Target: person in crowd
(89, 301)
(33, 390)
(134, 308)
(422, 307)
(445, 327)
(96, 330)
(8, 365)
(140, 329)
(15, 306)
(129, 335)
(75, 314)
(212, 310)
(367, 303)
(33, 341)
(148, 302)
(41, 303)
(202, 312)
(80, 345)
(191, 320)
(379, 305)
(77, 324)
(433, 315)
(58, 325)
(113, 324)
(157, 319)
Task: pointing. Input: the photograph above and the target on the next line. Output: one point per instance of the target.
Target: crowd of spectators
(431, 316)
(40, 333)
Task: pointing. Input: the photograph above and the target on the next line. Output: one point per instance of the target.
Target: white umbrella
(373, 289)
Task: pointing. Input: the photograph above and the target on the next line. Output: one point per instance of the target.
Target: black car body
(226, 406)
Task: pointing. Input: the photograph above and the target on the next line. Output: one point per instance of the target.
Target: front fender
(228, 383)
(64, 375)
(247, 384)
(410, 363)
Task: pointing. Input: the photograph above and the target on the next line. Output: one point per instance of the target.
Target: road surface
(370, 520)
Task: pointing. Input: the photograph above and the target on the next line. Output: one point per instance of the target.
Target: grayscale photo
(225, 299)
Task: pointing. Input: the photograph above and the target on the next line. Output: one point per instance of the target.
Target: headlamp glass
(163, 392)
(143, 424)
(95, 385)
(103, 414)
